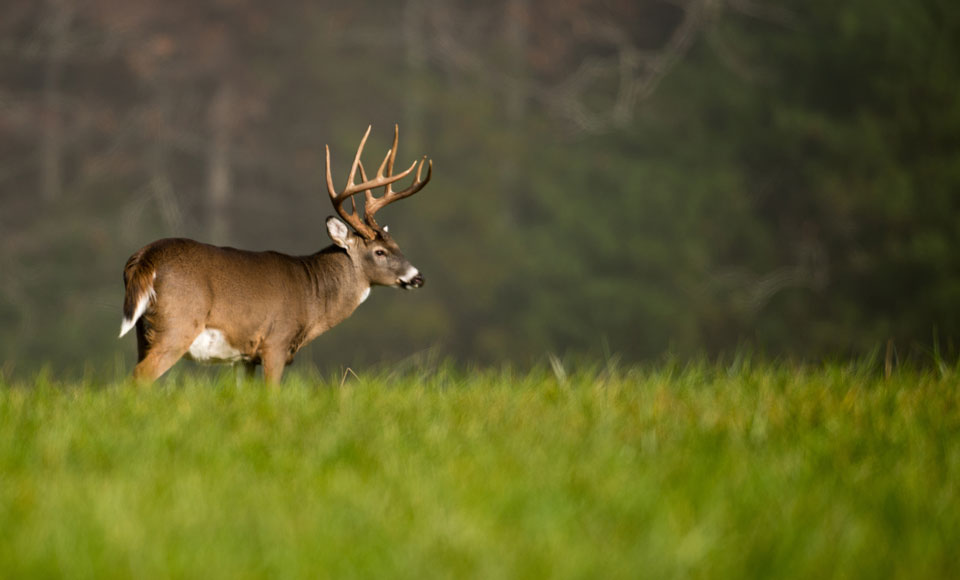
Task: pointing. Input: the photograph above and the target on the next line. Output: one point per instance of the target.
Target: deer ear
(339, 232)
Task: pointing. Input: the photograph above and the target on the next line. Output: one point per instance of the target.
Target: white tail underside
(142, 304)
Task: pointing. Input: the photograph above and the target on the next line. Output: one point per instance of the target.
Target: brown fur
(267, 304)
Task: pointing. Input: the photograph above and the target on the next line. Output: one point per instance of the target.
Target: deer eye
(380, 253)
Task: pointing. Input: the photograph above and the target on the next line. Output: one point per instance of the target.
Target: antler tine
(393, 155)
(356, 158)
(337, 199)
(366, 192)
(367, 230)
(387, 159)
(374, 205)
(389, 196)
(387, 164)
(369, 196)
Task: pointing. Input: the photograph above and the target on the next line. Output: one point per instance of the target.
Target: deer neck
(338, 287)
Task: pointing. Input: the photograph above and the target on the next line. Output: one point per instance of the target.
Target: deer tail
(138, 277)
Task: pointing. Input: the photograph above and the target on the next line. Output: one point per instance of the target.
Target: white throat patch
(364, 296)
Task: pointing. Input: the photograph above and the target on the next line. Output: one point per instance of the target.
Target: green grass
(697, 471)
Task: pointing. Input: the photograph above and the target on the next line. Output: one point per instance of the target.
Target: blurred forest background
(612, 177)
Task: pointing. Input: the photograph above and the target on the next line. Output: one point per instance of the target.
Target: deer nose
(412, 279)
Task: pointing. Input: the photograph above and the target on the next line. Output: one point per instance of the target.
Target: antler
(373, 204)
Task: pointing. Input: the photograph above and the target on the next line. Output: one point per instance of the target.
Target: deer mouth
(411, 280)
(416, 282)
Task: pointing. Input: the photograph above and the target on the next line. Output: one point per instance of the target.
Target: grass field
(754, 471)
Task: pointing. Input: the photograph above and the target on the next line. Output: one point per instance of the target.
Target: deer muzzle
(412, 279)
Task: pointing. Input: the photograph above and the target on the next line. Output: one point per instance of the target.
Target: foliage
(739, 470)
(790, 184)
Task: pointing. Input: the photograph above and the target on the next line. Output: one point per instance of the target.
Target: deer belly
(212, 346)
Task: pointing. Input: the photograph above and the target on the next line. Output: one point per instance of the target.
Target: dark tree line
(629, 177)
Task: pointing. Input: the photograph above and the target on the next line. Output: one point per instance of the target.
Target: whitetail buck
(216, 304)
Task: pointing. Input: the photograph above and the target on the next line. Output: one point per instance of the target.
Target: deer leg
(155, 364)
(273, 365)
(162, 355)
(142, 345)
(249, 370)
(245, 372)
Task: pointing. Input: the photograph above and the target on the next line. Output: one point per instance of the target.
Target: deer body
(218, 304)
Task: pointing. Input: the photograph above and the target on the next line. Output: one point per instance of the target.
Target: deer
(217, 304)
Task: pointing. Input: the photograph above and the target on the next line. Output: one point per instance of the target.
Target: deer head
(370, 246)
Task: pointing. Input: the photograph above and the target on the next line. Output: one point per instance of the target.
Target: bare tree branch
(762, 10)
(635, 73)
(57, 24)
